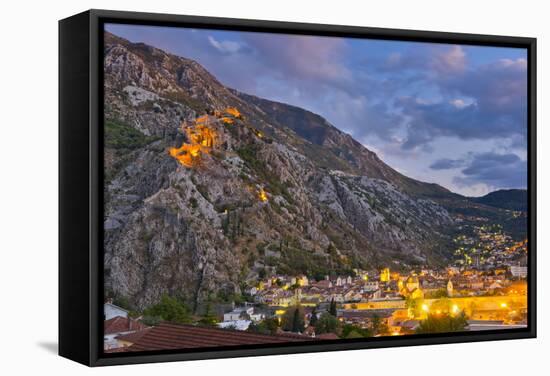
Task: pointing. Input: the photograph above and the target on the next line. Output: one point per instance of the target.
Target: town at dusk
(266, 189)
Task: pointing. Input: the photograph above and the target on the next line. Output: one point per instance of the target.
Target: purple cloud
(447, 164)
(302, 57)
(495, 170)
(495, 106)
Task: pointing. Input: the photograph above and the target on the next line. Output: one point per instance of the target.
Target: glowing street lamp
(454, 309)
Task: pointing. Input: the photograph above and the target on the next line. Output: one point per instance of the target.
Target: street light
(455, 309)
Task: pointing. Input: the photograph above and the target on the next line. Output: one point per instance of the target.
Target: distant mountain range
(511, 199)
(206, 187)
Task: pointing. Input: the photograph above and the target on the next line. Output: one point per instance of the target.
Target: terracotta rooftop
(115, 350)
(121, 324)
(133, 337)
(180, 336)
(327, 336)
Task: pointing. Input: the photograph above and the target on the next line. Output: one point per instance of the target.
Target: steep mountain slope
(205, 187)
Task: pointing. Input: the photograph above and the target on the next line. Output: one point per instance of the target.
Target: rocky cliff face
(205, 187)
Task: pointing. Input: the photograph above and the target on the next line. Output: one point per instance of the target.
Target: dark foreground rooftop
(179, 336)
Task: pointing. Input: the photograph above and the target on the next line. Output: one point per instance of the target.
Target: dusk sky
(449, 114)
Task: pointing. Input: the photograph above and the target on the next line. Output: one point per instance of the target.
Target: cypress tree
(297, 321)
(313, 319)
(332, 309)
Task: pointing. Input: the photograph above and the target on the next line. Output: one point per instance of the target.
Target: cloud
(302, 57)
(225, 47)
(431, 60)
(447, 164)
(492, 170)
(438, 93)
(451, 60)
(468, 101)
(495, 170)
(459, 103)
(488, 102)
(500, 86)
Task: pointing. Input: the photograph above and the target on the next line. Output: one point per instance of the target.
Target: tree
(209, 318)
(298, 322)
(354, 331)
(327, 323)
(443, 323)
(168, 309)
(414, 306)
(377, 327)
(354, 334)
(262, 273)
(267, 326)
(332, 309)
(293, 319)
(313, 318)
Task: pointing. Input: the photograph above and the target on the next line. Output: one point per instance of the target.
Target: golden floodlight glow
(503, 305)
(233, 111)
(226, 120)
(201, 138)
(425, 308)
(455, 308)
(201, 119)
(262, 195)
(186, 154)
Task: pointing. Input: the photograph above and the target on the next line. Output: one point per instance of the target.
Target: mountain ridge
(510, 199)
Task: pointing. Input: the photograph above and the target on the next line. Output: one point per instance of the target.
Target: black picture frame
(81, 185)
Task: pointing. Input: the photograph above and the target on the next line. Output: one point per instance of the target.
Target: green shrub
(122, 136)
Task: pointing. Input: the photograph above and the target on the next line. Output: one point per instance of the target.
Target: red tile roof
(133, 337)
(115, 350)
(180, 336)
(121, 324)
(327, 336)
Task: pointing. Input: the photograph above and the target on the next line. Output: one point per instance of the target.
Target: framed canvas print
(238, 187)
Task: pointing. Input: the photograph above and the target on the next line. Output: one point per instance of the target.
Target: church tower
(450, 288)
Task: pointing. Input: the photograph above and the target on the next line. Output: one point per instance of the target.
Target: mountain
(207, 187)
(510, 199)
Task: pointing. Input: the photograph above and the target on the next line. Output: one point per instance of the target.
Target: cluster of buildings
(498, 295)
(394, 302)
(489, 248)
(490, 288)
(283, 291)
